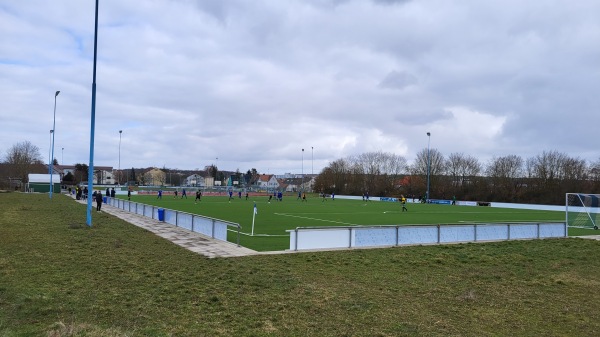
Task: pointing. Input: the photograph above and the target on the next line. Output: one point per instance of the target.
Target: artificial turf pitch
(276, 217)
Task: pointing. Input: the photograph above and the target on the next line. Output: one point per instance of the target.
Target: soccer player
(159, 194)
(198, 196)
(183, 194)
(403, 201)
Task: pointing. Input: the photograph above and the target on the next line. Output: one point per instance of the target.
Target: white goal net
(582, 210)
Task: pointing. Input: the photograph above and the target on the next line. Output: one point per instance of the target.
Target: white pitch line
(492, 222)
(305, 217)
(249, 234)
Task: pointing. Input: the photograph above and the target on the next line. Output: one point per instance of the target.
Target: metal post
(93, 124)
(52, 156)
(50, 161)
(428, 165)
(302, 170)
(312, 160)
(120, 132)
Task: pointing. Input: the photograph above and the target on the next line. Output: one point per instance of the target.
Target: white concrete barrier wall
(366, 236)
(208, 226)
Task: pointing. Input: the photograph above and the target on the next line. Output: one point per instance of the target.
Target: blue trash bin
(161, 214)
(104, 200)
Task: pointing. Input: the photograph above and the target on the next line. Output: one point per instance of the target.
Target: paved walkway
(193, 241)
(591, 237)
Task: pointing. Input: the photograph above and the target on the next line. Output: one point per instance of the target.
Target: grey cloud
(257, 81)
(391, 2)
(398, 80)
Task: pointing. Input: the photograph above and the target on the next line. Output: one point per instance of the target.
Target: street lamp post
(120, 132)
(50, 152)
(428, 164)
(302, 170)
(52, 156)
(62, 156)
(312, 160)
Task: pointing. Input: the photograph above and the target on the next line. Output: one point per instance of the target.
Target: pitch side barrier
(214, 228)
(304, 238)
(464, 203)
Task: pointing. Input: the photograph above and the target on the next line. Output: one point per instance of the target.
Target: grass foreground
(60, 278)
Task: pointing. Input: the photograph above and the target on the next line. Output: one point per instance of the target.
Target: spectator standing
(98, 201)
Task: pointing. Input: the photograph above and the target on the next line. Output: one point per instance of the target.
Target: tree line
(21, 158)
(542, 179)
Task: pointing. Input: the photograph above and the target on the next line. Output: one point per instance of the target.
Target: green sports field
(275, 218)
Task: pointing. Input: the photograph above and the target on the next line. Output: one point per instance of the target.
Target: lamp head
(57, 92)
(428, 134)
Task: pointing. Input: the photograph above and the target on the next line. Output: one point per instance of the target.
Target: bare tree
(574, 175)
(81, 172)
(437, 168)
(21, 157)
(333, 178)
(462, 171)
(541, 179)
(374, 172)
(594, 176)
(505, 175)
(552, 174)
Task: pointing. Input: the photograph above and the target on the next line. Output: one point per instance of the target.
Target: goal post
(582, 210)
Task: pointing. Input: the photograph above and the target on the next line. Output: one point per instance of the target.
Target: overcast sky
(252, 83)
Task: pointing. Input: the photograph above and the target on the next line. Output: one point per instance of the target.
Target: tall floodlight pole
(302, 170)
(312, 160)
(120, 132)
(50, 160)
(50, 152)
(428, 164)
(52, 156)
(93, 124)
(62, 156)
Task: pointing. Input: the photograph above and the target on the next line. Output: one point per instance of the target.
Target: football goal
(582, 210)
